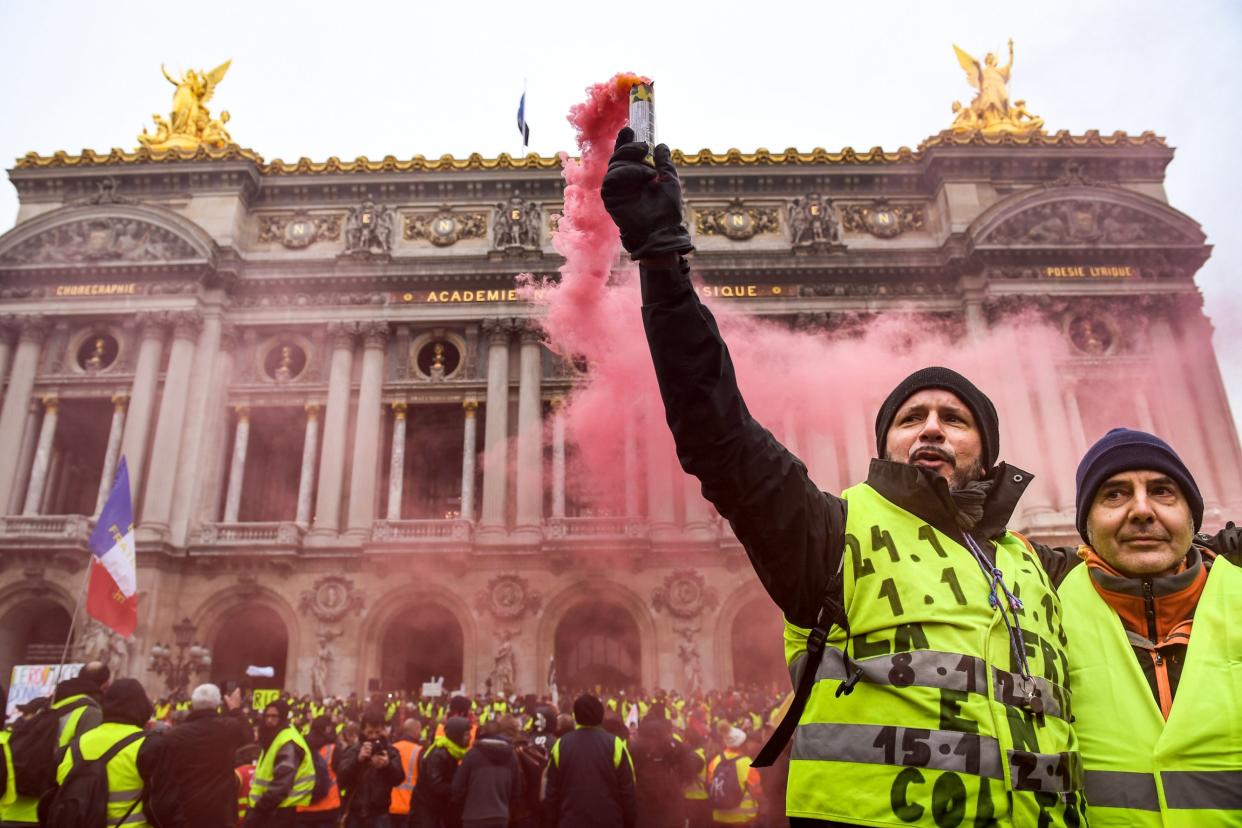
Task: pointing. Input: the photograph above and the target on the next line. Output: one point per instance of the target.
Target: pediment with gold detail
(1084, 216)
(111, 237)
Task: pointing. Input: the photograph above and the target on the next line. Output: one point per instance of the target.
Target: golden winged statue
(190, 124)
(990, 111)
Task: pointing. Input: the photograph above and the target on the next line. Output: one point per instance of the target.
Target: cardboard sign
(263, 697)
(30, 681)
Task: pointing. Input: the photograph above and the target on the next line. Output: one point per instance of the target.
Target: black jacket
(793, 533)
(368, 788)
(201, 752)
(661, 765)
(488, 782)
(431, 806)
(585, 786)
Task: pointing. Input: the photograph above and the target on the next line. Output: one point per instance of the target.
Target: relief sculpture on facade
(1083, 222)
(105, 239)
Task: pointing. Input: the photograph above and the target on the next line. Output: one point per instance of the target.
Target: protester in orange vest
(245, 760)
(323, 812)
(409, 749)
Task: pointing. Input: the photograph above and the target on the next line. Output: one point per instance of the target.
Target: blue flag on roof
(523, 127)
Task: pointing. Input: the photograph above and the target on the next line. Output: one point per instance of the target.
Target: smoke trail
(816, 390)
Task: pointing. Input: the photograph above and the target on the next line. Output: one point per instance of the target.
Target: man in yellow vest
(284, 777)
(734, 787)
(141, 791)
(928, 693)
(1158, 711)
(697, 809)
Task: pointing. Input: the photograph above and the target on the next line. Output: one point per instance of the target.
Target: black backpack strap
(120, 745)
(831, 612)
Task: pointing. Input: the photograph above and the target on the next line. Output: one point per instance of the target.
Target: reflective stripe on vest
(303, 780)
(618, 750)
(1140, 769)
(748, 809)
(67, 727)
(332, 799)
(124, 783)
(937, 730)
(401, 795)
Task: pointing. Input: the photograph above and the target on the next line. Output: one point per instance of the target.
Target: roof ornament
(990, 112)
(190, 124)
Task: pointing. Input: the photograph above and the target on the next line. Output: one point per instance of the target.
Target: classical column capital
(532, 332)
(33, 328)
(342, 333)
(557, 403)
(152, 323)
(119, 402)
(186, 324)
(8, 324)
(243, 411)
(228, 336)
(398, 410)
(50, 403)
(374, 333)
(498, 330)
(471, 406)
(312, 410)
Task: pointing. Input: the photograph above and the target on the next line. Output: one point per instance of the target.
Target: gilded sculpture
(990, 111)
(190, 124)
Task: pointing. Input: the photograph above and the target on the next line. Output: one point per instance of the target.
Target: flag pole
(73, 621)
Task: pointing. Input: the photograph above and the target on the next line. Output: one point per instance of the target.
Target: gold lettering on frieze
(1091, 272)
(123, 289)
(449, 297)
(746, 291)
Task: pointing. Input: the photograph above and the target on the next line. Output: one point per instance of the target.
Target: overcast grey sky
(374, 78)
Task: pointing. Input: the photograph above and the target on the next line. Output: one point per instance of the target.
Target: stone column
(698, 511)
(825, 468)
(166, 445)
(857, 441)
(1057, 461)
(237, 468)
(789, 433)
(558, 457)
(1020, 436)
(46, 499)
(365, 469)
(42, 458)
(142, 401)
(310, 447)
(470, 428)
(14, 411)
(112, 451)
(631, 466)
(529, 473)
(396, 463)
(1212, 403)
(335, 429)
(6, 349)
(1187, 436)
(207, 504)
(196, 433)
(496, 434)
(25, 457)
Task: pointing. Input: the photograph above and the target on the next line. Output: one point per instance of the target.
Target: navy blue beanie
(1124, 449)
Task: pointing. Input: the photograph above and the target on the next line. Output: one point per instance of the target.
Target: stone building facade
(345, 436)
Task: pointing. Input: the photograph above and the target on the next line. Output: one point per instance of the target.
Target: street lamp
(191, 658)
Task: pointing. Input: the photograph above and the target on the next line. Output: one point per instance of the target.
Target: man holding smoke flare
(925, 639)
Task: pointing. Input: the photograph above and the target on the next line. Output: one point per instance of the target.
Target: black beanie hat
(457, 729)
(126, 701)
(935, 377)
(588, 711)
(1124, 449)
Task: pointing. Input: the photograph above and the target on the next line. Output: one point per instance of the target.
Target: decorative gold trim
(702, 158)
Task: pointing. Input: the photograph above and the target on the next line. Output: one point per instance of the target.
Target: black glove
(1227, 542)
(645, 201)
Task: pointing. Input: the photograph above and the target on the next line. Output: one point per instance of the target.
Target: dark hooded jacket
(201, 750)
(67, 692)
(660, 774)
(488, 782)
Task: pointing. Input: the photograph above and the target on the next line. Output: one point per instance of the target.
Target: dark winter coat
(201, 753)
(585, 786)
(660, 772)
(369, 789)
(488, 782)
(431, 806)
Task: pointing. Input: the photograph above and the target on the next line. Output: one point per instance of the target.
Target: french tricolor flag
(112, 596)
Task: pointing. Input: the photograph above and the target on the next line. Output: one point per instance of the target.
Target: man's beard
(961, 476)
(267, 733)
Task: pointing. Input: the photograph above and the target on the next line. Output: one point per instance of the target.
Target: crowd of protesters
(210, 760)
